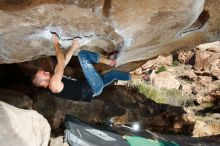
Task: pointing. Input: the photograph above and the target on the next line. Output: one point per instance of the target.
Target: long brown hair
(30, 68)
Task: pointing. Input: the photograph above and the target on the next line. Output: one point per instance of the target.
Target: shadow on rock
(119, 105)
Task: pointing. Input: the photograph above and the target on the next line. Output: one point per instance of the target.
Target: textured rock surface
(118, 104)
(185, 56)
(207, 128)
(207, 59)
(28, 31)
(189, 75)
(57, 141)
(202, 71)
(16, 99)
(165, 80)
(22, 127)
(140, 29)
(159, 61)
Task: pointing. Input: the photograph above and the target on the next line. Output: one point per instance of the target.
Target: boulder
(22, 127)
(138, 29)
(216, 94)
(58, 141)
(117, 104)
(207, 58)
(187, 88)
(154, 64)
(16, 98)
(189, 75)
(205, 80)
(159, 61)
(215, 68)
(185, 56)
(203, 60)
(89, 112)
(202, 89)
(212, 47)
(165, 80)
(207, 127)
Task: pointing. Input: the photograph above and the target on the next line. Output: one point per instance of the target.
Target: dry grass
(166, 96)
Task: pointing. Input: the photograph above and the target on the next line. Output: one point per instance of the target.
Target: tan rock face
(215, 68)
(185, 56)
(22, 127)
(165, 80)
(207, 58)
(139, 29)
(159, 61)
(29, 30)
(207, 127)
(204, 76)
(189, 75)
(58, 141)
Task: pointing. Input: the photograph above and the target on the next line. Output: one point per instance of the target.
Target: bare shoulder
(56, 85)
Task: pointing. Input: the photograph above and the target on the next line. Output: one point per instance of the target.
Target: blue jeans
(95, 80)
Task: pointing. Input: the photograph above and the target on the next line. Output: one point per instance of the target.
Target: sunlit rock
(139, 29)
(22, 127)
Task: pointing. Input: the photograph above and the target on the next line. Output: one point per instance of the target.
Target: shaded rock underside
(139, 29)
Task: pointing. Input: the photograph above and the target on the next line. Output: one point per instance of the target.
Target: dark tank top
(76, 90)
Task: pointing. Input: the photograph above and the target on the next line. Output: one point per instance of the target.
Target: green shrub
(161, 69)
(176, 97)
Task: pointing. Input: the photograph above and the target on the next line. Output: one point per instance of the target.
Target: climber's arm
(56, 85)
(69, 53)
